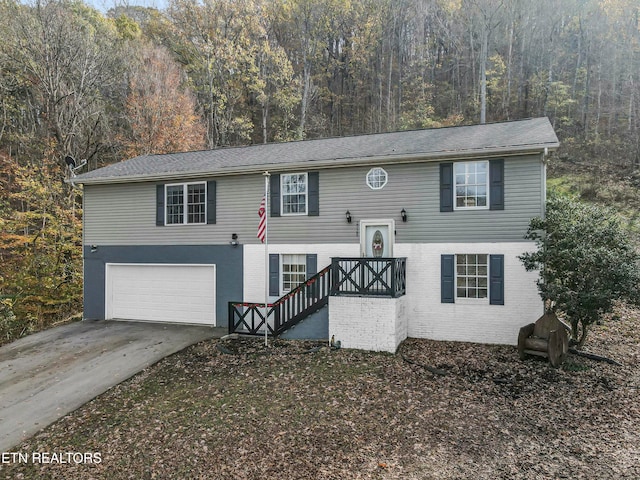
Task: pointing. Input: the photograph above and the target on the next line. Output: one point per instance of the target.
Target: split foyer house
(372, 238)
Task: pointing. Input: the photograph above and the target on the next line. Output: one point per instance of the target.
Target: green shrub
(586, 261)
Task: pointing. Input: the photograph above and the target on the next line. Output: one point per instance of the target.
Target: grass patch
(572, 365)
(623, 195)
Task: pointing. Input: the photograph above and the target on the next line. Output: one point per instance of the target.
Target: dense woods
(212, 73)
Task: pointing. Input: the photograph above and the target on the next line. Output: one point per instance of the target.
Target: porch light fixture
(348, 215)
(234, 240)
(94, 248)
(403, 214)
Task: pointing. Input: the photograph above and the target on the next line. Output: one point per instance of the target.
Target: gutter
(322, 164)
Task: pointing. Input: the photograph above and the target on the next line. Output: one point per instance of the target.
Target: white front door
(377, 238)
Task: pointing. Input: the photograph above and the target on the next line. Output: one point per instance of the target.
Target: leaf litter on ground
(300, 410)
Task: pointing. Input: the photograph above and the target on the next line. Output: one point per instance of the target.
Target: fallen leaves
(298, 410)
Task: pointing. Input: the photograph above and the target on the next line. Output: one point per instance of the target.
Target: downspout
(82, 246)
(545, 160)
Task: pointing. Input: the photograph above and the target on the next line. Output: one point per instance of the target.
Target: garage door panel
(162, 293)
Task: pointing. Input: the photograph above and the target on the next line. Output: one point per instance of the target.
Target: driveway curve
(48, 374)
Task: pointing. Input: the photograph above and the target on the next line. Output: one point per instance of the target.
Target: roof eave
(329, 163)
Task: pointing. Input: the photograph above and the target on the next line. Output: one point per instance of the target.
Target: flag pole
(266, 258)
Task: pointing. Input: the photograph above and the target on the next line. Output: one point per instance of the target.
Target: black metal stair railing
(302, 301)
(345, 276)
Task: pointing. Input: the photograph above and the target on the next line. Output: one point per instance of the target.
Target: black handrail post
(393, 278)
(276, 319)
(253, 320)
(334, 275)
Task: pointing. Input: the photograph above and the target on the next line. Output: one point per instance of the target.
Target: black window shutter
(446, 187)
(211, 201)
(314, 194)
(312, 264)
(274, 188)
(447, 279)
(496, 279)
(496, 184)
(274, 274)
(312, 269)
(160, 205)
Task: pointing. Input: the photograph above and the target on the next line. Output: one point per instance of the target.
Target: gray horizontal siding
(125, 214)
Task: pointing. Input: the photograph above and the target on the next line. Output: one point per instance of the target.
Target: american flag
(262, 226)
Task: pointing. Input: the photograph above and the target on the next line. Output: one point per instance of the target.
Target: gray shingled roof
(451, 142)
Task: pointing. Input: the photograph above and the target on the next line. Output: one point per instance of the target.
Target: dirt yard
(235, 410)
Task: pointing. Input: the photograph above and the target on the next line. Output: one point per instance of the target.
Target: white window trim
(281, 269)
(306, 196)
(484, 207)
(185, 198)
(467, 300)
(386, 178)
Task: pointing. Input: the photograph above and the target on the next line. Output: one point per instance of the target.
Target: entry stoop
(368, 322)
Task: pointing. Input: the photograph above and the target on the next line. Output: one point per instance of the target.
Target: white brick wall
(470, 320)
(424, 316)
(368, 323)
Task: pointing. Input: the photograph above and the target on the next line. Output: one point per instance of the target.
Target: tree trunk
(483, 75)
(265, 114)
(506, 99)
(306, 87)
(599, 106)
(585, 98)
(545, 111)
(631, 103)
(473, 65)
(389, 89)
(579, 332)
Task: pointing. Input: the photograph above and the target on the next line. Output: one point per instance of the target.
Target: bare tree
(483, 17)
(68, 57)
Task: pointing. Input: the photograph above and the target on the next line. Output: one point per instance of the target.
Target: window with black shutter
(186, 203)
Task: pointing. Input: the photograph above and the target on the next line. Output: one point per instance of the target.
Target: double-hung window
(186, 203)
(475, 276)
(294, 271)
(471, 184)
(294, 194)
(287, 271)
(471, 276)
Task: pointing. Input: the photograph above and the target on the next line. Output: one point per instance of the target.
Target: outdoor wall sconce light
(234, 240)
(94, 248)
(403, 214)
(348, 215)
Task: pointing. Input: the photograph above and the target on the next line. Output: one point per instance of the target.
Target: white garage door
(161, 293)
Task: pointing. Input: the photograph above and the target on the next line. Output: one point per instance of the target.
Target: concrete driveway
(46, 375)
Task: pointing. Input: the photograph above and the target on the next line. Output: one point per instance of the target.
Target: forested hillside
(206, 74)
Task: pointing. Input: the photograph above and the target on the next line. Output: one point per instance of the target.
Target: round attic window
(376, 178)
